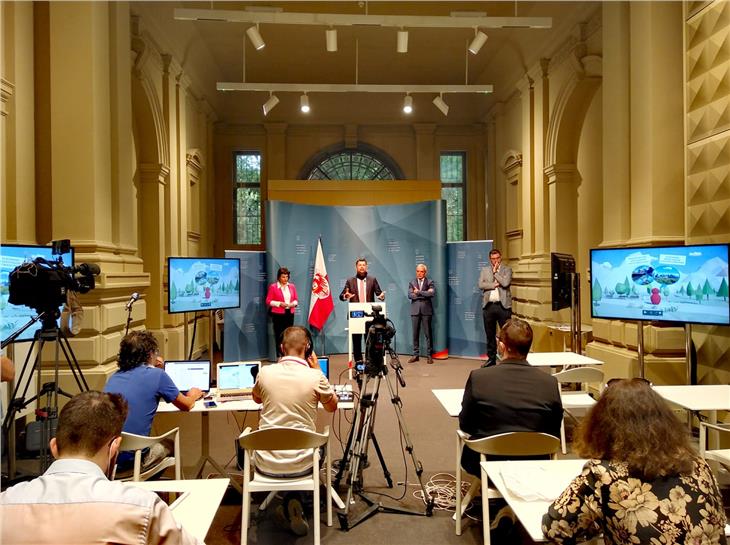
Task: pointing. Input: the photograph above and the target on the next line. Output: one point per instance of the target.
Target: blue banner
(393, 238)
(245, 331)
(466, 326)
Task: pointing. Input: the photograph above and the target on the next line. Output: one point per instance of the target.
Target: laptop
(324, 364)
(188, 374)
(236, 379)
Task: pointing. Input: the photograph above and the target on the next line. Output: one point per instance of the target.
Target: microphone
(131, 301)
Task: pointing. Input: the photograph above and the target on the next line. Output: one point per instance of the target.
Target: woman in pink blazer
(281, 300)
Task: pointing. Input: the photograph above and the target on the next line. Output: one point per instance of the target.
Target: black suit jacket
(511, 396)
(372, 290)
(421, 302)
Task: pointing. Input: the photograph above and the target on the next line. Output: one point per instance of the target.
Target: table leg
(205, 457)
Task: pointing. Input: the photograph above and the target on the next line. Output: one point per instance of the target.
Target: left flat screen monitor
(16, 316)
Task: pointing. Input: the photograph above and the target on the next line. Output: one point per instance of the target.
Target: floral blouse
(683, 509)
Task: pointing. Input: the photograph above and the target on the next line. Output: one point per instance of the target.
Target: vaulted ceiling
(214, 51)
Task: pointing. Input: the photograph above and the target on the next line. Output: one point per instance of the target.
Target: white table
(196, 511)
(450, 399)
(555, 359)
(699, 397)
(546, 478)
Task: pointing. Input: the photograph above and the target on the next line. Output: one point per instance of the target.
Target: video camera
(43, 284)
(380, 332)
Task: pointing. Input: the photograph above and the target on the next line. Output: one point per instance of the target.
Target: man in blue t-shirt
(143, 382)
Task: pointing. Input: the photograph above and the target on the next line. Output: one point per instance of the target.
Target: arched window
(361, 163)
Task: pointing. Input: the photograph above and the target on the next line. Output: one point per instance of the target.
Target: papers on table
(537, 483)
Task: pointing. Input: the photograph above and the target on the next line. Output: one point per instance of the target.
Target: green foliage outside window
(247, 199)
(453, 182)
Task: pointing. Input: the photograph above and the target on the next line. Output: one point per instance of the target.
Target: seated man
(290, 391)
(143, 383)
(511, 396)
(74, 501)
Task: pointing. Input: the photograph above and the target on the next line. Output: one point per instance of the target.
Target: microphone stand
(129, 319)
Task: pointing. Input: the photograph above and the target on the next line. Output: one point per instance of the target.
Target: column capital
(7, 90)
(560, 173)
(153, 173)
(524, 84)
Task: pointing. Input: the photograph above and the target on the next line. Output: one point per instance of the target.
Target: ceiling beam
(351, 88)
(339, 19)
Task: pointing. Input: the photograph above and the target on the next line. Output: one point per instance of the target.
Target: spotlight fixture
(304, 103)
(440, 104)
(408, 104)
(479, 40)
(271, 103)
(402, 41)
(255, 36)
(330, 36)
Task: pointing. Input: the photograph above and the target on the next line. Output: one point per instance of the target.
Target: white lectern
(356, 321)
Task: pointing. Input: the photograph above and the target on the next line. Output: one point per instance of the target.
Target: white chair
(278, 438)
(722, 456)
(518, 443)
(575, 403)
(138, 443)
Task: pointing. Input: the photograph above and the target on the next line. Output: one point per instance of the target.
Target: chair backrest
(280, 438)
(516, 443)
(582, 375)
(137, 443)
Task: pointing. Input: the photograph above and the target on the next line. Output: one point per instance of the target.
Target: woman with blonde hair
(643, 483)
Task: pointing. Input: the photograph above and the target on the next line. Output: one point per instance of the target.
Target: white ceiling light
(304, 103)
(331, 39)
(271, 103)
(441, 105)
(408, 104)
(479, 40)
(402, 41)
(255, 36)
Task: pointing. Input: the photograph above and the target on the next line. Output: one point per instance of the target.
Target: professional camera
(380, 331)
(43, 284)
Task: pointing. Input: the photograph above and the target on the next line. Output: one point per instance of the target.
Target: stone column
(527, 197)
(541, 104)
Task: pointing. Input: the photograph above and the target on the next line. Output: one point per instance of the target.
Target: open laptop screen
(240, 374)
(187, 374)
(324, 364)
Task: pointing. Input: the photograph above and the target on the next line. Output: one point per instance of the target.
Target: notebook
(324, 364)
(187, 374)
(236, 379)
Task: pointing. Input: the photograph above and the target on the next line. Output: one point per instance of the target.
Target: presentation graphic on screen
(671, 283)
(237, 375)
(16, 316)
(198, 283)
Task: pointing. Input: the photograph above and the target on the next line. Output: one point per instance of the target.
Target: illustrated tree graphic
(173, 291)
(707, 289)
(597, 292)
(698, 293)
(722, 291)
(690, 289)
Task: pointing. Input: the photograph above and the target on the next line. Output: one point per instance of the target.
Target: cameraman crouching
(289, 392)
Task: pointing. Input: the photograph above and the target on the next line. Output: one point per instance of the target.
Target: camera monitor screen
(672, 283)
(16, 316)
(561, 267)
(202, 283)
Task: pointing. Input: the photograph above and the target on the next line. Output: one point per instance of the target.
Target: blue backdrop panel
(245, 328)
(393, 238)
(466, 326)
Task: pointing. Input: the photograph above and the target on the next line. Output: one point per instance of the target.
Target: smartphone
(210, 404)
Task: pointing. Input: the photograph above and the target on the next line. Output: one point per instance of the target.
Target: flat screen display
(670, 283)
(203, 283)
(13, 317)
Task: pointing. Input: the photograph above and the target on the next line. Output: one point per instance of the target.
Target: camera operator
(142, 382)
(289, 392)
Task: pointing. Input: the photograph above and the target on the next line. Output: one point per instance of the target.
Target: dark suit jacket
(511, 396)
(372, 289)
(421, 301)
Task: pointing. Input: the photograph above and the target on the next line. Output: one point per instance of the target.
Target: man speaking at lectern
(361, 288)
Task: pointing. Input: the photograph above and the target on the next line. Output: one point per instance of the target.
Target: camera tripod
(355, 455)
(49, 332)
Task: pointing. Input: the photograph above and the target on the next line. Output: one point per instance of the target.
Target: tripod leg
(73, 363)
(346, 455)
(386, 473)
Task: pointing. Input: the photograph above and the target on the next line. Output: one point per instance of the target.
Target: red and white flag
(321, 304)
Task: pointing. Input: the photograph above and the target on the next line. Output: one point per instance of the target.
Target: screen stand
(576, 341)
(640, 347)
(688, 352)
(185, 334)
(211, 337)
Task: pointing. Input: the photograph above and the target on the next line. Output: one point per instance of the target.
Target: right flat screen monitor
(686, 284)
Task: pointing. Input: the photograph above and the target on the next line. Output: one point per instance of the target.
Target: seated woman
(644, 483)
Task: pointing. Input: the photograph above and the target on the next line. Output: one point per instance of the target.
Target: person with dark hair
(511, 396)
(361, 288)
(495, 282)
(281, 300)
(74, 501)
(143, 382)
(644, 483)
(290, 392)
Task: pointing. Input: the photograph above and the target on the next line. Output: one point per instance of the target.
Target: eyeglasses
(634, 379)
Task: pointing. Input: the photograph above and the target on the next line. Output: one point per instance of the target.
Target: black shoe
(489, 363)
(429, 360)
(413, 359)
